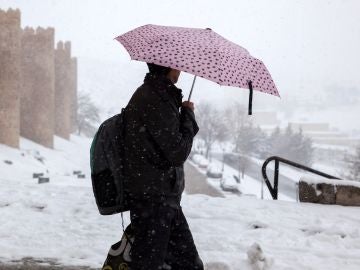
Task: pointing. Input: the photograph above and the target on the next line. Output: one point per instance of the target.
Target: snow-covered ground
(60, 219)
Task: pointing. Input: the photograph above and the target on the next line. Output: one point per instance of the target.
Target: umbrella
(201, 52)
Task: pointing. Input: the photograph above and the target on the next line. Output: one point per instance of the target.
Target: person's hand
(188, 104)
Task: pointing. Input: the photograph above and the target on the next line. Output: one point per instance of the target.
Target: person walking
(159, 134)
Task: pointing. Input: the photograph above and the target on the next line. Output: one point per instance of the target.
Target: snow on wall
(314, 180)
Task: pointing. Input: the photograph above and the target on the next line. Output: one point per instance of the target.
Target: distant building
(321, 133)
(266, 120)
(330, 146)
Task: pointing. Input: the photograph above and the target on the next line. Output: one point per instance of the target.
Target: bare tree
(235, 120)
(212, 125)
(353, 165)
(87, 115)
(247, 138)
(244, 163)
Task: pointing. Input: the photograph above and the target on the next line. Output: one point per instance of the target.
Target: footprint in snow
(39, 208)
(258, 225)
(4, 204)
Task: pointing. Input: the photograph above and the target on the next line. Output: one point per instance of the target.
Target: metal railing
(274, 189)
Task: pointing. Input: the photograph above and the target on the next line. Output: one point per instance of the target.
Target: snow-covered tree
(291, 145)
(285, 145)
(87, 115)
(301, 149)
(247, 142)
(274, 142)
(262, 144)
(247, 139)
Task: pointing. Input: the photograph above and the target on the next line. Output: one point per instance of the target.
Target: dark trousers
(162, 235)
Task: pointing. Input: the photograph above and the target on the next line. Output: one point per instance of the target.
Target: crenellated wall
(10, 77)
(73, 88)
(38, 85)
(63, 93)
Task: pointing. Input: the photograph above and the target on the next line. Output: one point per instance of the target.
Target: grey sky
(321, 35)
(306, 44)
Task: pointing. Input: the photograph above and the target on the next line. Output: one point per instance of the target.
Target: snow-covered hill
(59, 219)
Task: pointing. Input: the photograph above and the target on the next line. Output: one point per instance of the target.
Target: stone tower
(63, 96)
(73, 94)
(10, 77)
(38, 86)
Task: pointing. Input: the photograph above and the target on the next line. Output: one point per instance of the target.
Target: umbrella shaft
(250, 97)
(192, 87)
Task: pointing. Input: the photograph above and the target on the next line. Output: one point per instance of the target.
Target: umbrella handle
(192, 87)
(250, 98)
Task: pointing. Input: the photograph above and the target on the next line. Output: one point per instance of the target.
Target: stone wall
(63, 96)
(38, 86)
(10, 77)
(73, 88)
(326, 191)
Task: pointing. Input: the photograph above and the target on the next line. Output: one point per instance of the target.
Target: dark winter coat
(158, 140)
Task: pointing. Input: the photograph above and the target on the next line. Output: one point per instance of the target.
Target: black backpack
(106, 162)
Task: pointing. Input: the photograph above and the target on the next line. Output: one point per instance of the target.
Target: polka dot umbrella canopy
(201, 52)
